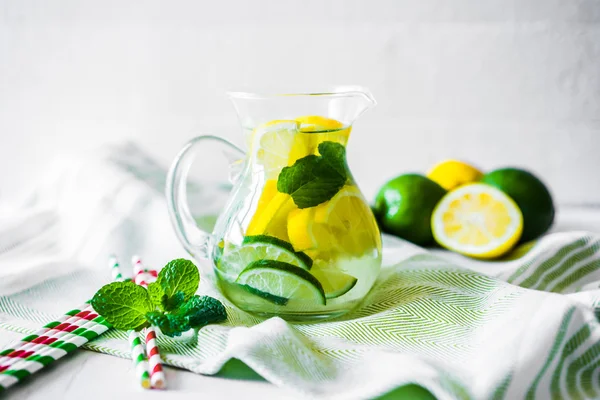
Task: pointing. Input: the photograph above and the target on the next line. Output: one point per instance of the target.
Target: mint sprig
(170, 303)
(313, 179)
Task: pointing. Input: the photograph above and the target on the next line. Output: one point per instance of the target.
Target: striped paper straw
(35, 342)
(115, 269)
(141, 275)
(138, 354)
(73, 330)
(140, 362)
(144, 277)
(68, 337)
(19, 346)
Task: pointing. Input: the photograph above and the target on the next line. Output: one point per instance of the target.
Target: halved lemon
(477, 220)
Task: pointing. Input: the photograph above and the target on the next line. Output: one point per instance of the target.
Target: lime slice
(235, 259)
(281, 243)
(280, 301)
(477, 220)
(335, 283)
(282, 280)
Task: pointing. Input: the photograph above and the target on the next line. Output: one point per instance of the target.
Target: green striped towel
(522, 328)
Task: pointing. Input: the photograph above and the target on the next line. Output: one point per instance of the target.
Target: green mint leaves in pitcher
(296, 238)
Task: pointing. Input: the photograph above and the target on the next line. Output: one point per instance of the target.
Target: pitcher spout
(344, 104)
(354, 101)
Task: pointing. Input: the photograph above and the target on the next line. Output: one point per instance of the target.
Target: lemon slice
(315, 123)
(270, 217)
(344, 224)
(351, 221)
(306, 234)
(322, 129)
(477, 220)
(278, 144)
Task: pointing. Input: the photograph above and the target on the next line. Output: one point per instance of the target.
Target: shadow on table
(236, 369)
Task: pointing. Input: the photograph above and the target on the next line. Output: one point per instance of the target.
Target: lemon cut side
(343, 224)
(477, 220)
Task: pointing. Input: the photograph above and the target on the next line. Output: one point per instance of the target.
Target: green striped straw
(140, 361)
(25, 344)
(138, 353)
(37, 342)
(68, 337)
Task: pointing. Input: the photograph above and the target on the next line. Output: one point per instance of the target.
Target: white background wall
(497, 82)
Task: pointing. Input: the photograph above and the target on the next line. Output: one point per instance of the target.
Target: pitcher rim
(267, 95)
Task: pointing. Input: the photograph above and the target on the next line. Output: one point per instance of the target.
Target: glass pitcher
(296, 238)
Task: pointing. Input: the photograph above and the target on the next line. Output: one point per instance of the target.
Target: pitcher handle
(196, 241)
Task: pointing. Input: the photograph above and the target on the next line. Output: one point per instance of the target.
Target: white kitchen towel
(520, 328)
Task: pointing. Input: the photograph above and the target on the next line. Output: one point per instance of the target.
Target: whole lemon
(451, 174)
(404, 206)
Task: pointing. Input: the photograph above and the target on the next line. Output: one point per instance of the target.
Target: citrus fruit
(278, 242)
(281, 280)
(270, 217)
(236, 258)
(477, 220)
(530, 194)
(322, 129)
(315, 123)
(335, 283)
(307, 235)
(404, 206)
(450, 174)
(345, 224)
(277, 144)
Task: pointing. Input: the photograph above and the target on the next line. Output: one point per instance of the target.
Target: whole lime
(530, 194)
(404, 206)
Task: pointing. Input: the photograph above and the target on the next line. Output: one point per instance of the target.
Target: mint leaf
(174, 302)
(197, 312)
(179, 275)
(203, 310)
(334, 154)
(169, 324)
(313, 180)
(156, 295)
(123, 304)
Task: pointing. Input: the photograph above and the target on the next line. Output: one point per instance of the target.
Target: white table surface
(90, 375)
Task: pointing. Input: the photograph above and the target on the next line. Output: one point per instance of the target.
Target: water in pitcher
(297, 238)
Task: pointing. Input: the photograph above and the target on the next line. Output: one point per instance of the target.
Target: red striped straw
(46, 331)
(55, 340)
(143, 277)
(138, 353)
(45, 337)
